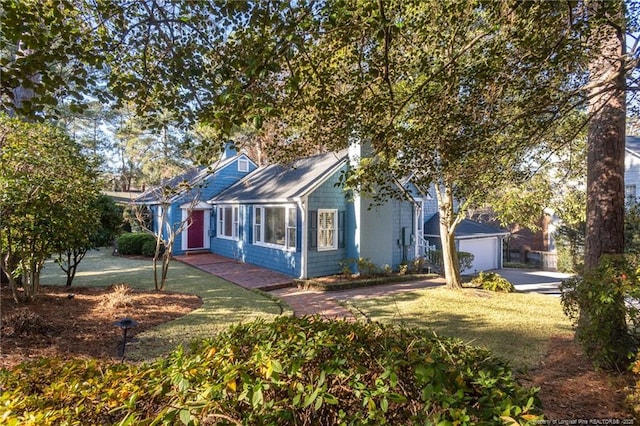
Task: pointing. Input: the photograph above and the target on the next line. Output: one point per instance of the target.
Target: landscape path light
(125, 324)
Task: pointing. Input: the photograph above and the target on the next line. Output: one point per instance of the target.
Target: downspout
(302, 203)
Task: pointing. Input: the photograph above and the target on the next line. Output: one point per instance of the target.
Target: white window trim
(333, 246)
(260, 242)
(243, 165)
(235, 226)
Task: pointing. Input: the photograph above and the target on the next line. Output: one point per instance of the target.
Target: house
(200, 184)
(631, 169)
(485, 242)
(298, 220)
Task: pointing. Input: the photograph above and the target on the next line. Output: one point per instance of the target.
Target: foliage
(46, 189)
(133, 244)
(465, 260)
(633, 396)
(493, 282)
(94, 227)
(293, 370)
(24, 321)
(606, 325)
(632, 229)
(49, 54)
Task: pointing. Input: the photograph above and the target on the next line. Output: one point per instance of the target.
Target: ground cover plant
(289, 371)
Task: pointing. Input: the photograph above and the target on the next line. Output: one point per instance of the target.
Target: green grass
(223, 303)
(514, 326)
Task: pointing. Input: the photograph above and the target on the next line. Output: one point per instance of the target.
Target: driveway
(533, 281)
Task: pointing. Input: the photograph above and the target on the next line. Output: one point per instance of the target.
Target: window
(228, 222)
(327, 232)
(243, 165)
(275, 226)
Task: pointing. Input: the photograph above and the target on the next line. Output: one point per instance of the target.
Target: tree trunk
(605, 146)
(447, 237)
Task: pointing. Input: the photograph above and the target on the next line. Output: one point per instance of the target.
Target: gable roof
(465, 230)
(192, 177)
(281, 183)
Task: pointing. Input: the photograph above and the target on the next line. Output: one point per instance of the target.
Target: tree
(606, 138)
(167, 229)
(96, 225)
(45, 185)
(453, 93)
(49, 52)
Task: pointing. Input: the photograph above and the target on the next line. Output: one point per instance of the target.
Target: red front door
(195, 233)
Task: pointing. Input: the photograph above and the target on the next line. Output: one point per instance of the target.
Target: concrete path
(532, 281)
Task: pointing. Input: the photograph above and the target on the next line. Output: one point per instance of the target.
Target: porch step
(194, 252)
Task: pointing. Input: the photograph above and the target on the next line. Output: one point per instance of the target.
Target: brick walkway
(243, 274)
(303, 302)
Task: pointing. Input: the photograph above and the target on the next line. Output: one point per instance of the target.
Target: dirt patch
(81, 326)
(72, 322)
(570, 389)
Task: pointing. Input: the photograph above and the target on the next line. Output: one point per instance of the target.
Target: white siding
(632, 171)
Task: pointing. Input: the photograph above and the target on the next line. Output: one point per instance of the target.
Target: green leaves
(289, 371)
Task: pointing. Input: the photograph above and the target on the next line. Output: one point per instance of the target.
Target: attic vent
(243, 165)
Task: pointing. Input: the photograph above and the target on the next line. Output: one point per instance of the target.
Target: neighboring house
(483, 241)
(632, 169)
(200, 184)
(298, 220)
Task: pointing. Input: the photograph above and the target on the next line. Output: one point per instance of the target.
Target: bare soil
(78, 323)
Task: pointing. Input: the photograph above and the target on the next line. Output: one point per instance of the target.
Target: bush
(465, 260)
(23, 322)
(120, 297)
(131, 244)
(493, 282)
(606, 326)
(290, 371)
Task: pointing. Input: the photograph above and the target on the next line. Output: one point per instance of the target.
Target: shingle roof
(466, 228)
(278, 182)
(192, 177)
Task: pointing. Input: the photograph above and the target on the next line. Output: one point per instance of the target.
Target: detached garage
(483, 241)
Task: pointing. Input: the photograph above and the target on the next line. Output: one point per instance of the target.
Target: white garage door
(485, 252)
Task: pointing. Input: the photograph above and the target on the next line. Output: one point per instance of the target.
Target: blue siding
(330, 196)
(280, 260)
(212, 185)
(403, 217)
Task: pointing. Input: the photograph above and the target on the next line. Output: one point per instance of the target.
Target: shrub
(119, 297)
(606, 326)
(131, 244)
(24, 321)
(633, 397)
(290, 371)
(493, 282)
(149, 248)
(465, 260)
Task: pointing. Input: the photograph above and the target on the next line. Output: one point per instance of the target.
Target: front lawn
(223, 303)
(514, 326)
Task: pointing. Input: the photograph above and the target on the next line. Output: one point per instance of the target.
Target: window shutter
(341, 226)
(313, 229)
